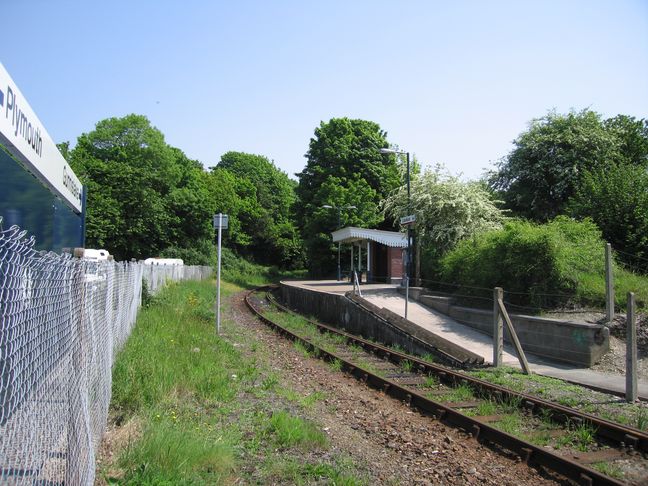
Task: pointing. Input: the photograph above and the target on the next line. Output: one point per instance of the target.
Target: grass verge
(210, 409)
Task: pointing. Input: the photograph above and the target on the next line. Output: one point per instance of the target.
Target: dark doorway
(380, 263)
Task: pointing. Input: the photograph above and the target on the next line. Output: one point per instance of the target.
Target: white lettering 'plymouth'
(23, 127)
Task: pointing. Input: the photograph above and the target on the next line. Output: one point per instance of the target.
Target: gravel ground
(392, 444)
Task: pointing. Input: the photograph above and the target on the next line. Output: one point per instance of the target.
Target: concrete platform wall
(572, 342)
(341, 312)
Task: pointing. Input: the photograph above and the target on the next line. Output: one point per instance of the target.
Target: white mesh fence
(156, 276)
(62, 321)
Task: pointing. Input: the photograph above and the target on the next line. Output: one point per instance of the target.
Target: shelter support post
(368, 261)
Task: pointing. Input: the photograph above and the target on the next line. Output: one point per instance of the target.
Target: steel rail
(604, 429)
(530, 453)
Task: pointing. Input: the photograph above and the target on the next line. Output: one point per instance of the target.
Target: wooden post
(609, 284)
(631, 350)
(498, 331)
(516, 342)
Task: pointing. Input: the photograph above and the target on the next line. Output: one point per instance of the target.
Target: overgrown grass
(290, 431)
(291, 471)
(591, 285)
(168, 454)
(608, 469)
(461, 393)
(207, 411)
(172, 350)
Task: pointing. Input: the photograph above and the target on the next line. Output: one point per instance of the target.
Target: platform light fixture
(408, 261)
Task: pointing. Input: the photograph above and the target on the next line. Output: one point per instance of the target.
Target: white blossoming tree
(447, 209)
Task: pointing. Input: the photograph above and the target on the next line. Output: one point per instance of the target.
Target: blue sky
(453, 82)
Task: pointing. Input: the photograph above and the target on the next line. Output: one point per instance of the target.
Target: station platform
(387, 296)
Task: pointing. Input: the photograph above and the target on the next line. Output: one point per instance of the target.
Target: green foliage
(406, 365)
(591, 288)
(447, 209)
(143, 195)
(159, 353)
(616, 199)
(203, 252)
(238, 270)
(298, 472)
(147, 296)
(290, 431)
(545, 168)
(344, 168)
(461, 393)
(184, 396)
(168, 455)
(262, 202)
(336, 365)
(542, 263)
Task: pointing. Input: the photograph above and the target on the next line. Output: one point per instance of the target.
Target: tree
(265, 210)
(344, 168)
(447, 209)
(633, 138)
(143, 195)
(616, 199)
(363, 212)
(541, 174)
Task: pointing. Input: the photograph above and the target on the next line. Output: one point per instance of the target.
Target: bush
(203, 252)
(237, 269)
(537, 265)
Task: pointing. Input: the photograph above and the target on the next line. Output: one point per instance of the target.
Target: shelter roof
(351, 234)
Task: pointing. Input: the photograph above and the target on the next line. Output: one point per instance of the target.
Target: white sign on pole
(220, 223)
(408, 219)
(24, 136)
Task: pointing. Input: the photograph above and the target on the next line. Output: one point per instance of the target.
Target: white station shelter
(383, 252)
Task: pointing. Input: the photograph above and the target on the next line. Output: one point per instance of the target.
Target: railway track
(473, 405)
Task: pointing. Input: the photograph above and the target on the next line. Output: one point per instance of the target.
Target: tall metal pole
(631, 350)
(220, 232)
(409, 238)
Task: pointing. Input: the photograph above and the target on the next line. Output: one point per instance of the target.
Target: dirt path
(385, 439)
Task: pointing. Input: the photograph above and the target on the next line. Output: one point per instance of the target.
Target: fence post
(498, 331)
(631, 350)
(609, 284)
(78, 441)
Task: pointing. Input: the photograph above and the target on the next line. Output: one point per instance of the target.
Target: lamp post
(408, 260)
(339, 210)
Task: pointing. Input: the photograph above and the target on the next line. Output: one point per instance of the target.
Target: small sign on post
(220, 223)
(405, 220)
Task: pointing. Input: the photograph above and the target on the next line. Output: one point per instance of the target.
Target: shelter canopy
(351, 234)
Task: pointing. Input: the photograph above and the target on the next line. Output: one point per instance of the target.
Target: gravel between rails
(388, 442)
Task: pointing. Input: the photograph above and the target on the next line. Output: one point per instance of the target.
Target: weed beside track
(576, 439)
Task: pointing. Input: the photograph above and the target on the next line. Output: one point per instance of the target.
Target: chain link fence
(156, 276)
(62, 321)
